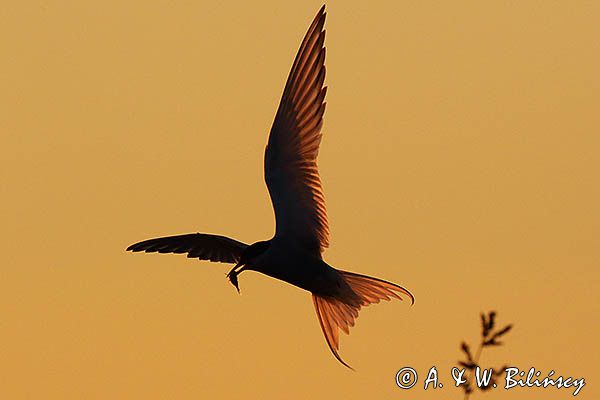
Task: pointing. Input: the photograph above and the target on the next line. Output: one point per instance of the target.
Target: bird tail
(335, 313)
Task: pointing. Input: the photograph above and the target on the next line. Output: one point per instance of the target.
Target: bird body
(292, 265)
(294, 254)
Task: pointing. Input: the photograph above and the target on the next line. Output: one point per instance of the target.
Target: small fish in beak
(234, 280)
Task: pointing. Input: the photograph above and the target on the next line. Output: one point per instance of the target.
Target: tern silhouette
(294, 254)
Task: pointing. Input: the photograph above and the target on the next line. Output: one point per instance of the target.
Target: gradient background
(460, 159)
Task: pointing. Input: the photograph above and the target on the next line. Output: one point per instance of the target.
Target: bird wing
(197, 245)
(291, 172)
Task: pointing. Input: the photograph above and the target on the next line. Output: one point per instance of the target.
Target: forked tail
(340, 313)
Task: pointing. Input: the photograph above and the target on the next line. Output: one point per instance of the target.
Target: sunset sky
(459, 160)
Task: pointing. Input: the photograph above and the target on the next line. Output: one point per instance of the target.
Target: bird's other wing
(197, 245)
(291, 170)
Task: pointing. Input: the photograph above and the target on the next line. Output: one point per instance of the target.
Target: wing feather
(197, 245)
(291, 171)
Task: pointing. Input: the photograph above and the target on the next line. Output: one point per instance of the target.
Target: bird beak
(233, 270)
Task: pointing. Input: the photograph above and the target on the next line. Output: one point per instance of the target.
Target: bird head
(252, 252)
(246, 261)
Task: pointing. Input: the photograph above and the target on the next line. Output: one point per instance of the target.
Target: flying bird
(295, 253)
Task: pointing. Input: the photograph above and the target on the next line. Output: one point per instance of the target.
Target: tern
(294, 253)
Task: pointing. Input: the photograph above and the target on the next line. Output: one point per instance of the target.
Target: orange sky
(459, 159)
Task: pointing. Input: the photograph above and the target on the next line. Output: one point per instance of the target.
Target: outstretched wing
(291, 170)
(197, 245)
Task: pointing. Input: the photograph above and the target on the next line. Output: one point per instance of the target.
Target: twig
(488, 338)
